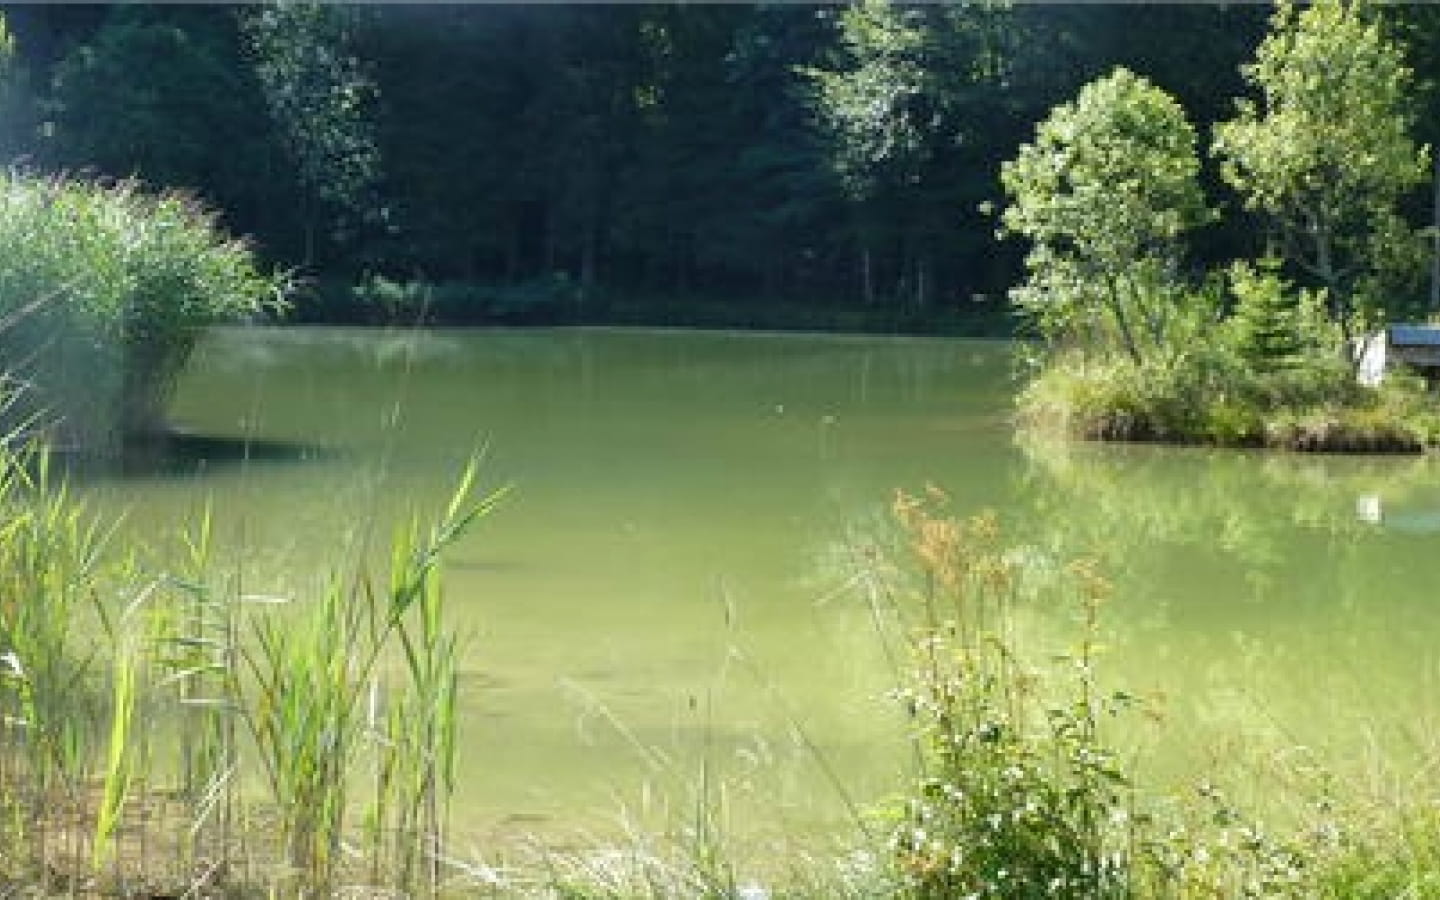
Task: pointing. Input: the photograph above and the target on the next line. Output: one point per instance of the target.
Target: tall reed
(198, 646)
(120, 764)
(416, 737)
(296, 688)
(49, 570)
(307, 680)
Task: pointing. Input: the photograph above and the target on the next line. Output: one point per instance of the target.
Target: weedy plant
(196, 645)
(1018, 795)
(1021, 792)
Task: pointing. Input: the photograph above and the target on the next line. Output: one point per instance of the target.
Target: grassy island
(1139, 345)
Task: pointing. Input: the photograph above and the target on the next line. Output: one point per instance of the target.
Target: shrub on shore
(104, 290)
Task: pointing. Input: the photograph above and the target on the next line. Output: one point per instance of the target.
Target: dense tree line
(839, 155)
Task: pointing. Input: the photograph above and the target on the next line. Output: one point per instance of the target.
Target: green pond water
(661, 604)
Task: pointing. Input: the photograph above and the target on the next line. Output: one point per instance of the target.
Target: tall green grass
(304, 690)
(1207, 397)
(50, 569)
(275, 707)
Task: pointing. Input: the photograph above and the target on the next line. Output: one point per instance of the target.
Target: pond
(657, 618)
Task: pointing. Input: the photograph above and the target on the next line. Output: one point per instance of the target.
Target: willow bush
(104, 291)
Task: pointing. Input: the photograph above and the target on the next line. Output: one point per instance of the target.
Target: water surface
(658, 605)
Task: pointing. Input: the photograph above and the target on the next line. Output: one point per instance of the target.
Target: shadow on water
(177, 453)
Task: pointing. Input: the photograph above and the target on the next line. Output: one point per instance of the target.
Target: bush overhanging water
(104, 290)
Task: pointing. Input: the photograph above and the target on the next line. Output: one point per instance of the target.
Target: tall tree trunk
(1325, 271)
(512, 253)
(1122, 323)
(552, 241)
(307, 217)
(588, 263)
(1340, 299)
(867, 276)
(1435, 242)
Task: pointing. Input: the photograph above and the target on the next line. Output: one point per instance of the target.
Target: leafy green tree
(321, 98)
(137, 100)
(7, 52)
(911, 103)
(1103, 194)
(507, 131)
(162, 93)
(682, 175)
(671, 149)
(1417, 28)
(872, 105)
(1326, 154)
(771, 201)
(582, 124)
(1274, 327)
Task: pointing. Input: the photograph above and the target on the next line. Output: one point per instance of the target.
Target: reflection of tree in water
(1129, 504)
(1257, 590)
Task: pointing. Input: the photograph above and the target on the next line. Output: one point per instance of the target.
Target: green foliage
(874, 107)
(7, 53)
(16, 102)
(540, 300)
(1326, 154)
(656, 149)
(1022, 790)
(304, 703)
(51, 640)
(1020, 796)
(362, 675)
(1400, 858)
(1211, 395)
(120, 764)
(1272, 373)
(1106, 191)
(1273, 327)
(1103, 194)
(322, 99)
(910, 103)
(151, 96)
(104, 290)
